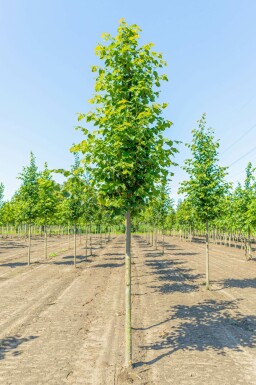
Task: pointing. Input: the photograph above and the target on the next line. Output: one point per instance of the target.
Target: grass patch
(52, 255)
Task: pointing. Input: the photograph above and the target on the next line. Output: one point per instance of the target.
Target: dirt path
(61, 325)
(46, 316)
(194, 336)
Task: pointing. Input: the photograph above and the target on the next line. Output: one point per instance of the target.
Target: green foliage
(127, 155)
(1, 194)
(186, 215)
(73, 192)
(245, 199)
(159, 208)
(207, 182)
(28, 192)
(7, 213)
(52, 255)
(48, 195)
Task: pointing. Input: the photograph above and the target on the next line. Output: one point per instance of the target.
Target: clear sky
(47, 48)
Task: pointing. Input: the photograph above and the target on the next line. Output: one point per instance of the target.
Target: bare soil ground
(61, 325)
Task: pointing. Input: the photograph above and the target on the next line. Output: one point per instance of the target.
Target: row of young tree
(42, 202)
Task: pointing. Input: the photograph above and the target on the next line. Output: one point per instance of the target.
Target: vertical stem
(29, 243)
(68, 237)
(207, 257)
(45, 241)
(163, 240)
(74, 244)
(86, 241)
(128, 328)
(249, 248)
(91, 238)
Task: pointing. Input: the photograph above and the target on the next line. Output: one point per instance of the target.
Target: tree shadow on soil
(172, 277)
(12, 245)
(114, 259)
(79, 259)
(208, 325)
(108, 265)
(13, 264)
(184, 254)
(10, 344)
(239, 283)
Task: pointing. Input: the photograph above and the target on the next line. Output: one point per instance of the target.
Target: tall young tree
(206, 184)
(28, 196)
(74, 195)
(244, 202)
(127, 154)
(47, 200)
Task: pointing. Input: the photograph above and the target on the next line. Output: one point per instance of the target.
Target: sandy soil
(61, 325)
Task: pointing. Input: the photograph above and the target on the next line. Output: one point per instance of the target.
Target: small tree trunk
(249, 246)
(86, 242)
(163, 241)
(128, 328)
(74, 244)
(68, 237)
(45, 241)
(91, 238)
(29, 243)
(80, 235)
(207, 257)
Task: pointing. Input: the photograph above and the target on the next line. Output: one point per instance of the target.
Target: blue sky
(47, 48)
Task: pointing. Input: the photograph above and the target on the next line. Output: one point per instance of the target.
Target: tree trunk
(86, 241)
(68, 237)
(163, 240)
(100, 229)
(74, 244)
(207, 257)
(45, 241)
(249, 246)
(128, 328)
(29, 243)
(91, 238)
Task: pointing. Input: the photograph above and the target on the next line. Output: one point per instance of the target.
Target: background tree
(207, 179)
(186, 217)
(28, 196)
(244, 201)
(47, 200)
(73, 192)
(1, 193)
(127, 155)
(157, 211)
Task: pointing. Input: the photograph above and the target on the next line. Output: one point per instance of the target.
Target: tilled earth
(61, 325)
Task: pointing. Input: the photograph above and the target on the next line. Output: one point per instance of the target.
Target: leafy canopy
(127, 155)
(28, 192)
(206, 184)
(245, 199)
(47, 195)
